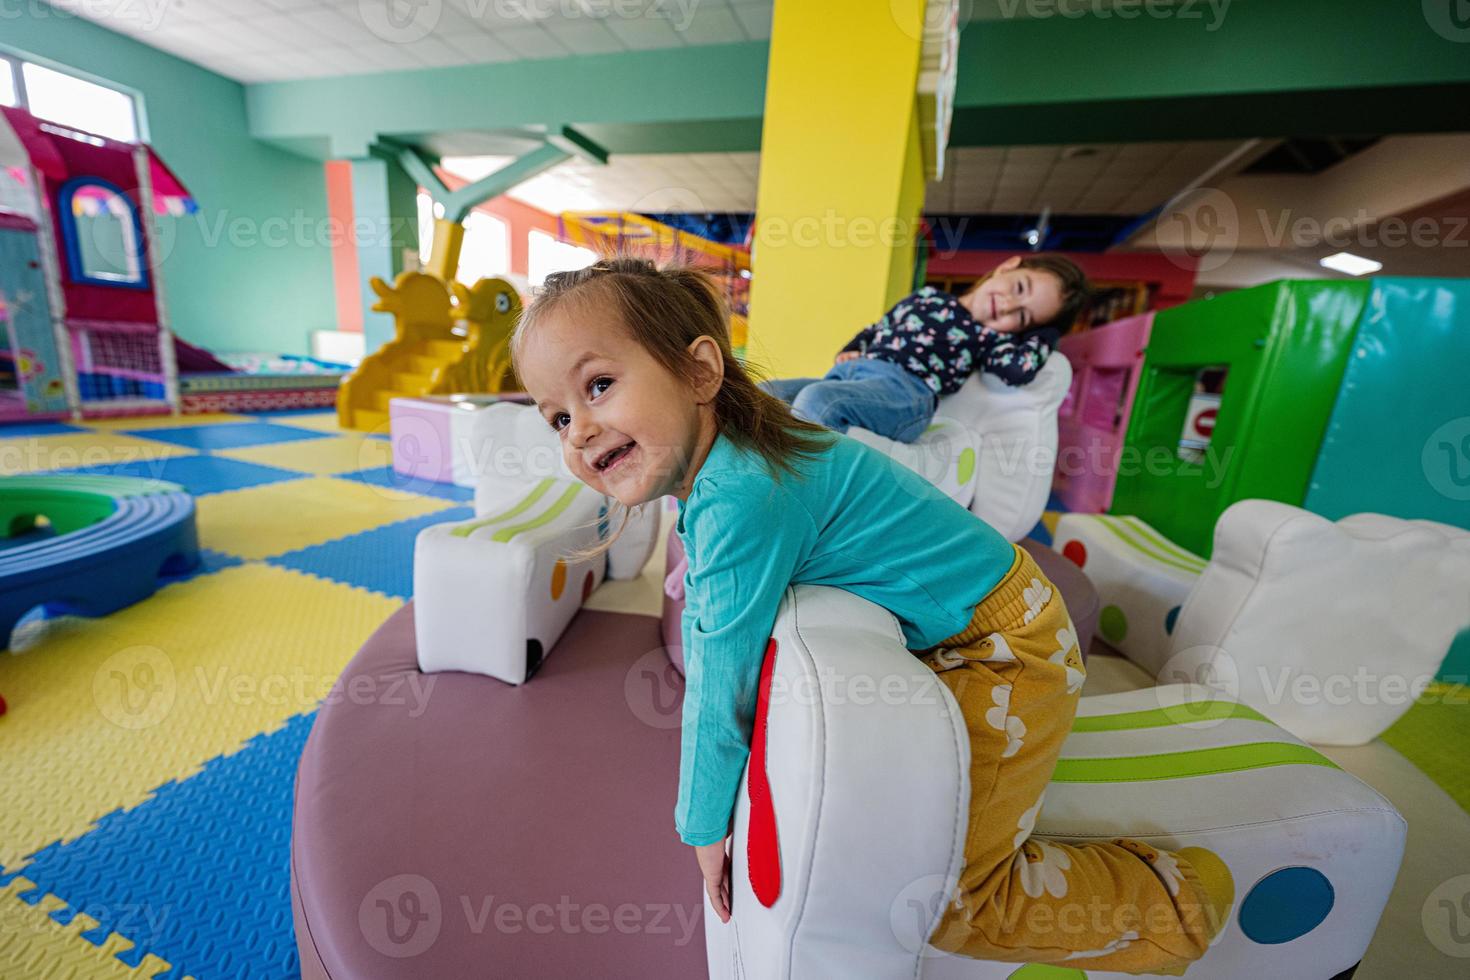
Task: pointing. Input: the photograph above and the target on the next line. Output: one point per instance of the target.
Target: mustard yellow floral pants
(1016, 672)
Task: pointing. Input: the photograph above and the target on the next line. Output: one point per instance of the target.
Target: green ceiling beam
(1212, 69)
(631, 94)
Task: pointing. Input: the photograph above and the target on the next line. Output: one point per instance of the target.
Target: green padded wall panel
(1285, 345)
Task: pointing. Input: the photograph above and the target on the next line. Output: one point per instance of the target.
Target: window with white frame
(68, 100)
(486, 250)
(546, 255)
(8, 94)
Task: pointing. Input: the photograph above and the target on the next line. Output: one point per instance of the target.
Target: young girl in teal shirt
(632, 367)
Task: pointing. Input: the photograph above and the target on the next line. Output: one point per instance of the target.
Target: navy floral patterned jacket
(933, 337)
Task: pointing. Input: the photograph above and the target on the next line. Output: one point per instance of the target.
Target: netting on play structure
(618, 233)
(119, 365)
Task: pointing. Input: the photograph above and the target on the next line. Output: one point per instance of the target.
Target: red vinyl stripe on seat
(763, 856)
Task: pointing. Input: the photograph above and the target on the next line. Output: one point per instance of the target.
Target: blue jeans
(873, 394)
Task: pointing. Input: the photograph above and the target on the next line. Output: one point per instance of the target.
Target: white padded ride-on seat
(493, 594)
(850, 821)
(991, 447)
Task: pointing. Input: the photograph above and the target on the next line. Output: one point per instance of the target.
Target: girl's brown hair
(1076, 291)
(665, 310)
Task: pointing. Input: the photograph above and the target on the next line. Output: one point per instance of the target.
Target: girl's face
(629, 428)
(1015, 299)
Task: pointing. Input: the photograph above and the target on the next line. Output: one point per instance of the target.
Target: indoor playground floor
(147, 758)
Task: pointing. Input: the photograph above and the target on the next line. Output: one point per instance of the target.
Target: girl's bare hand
(715, 866)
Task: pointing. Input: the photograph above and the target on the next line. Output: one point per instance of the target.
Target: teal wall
(252, 270)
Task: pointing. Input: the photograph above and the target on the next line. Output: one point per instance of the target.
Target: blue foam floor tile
(386, 476)
(1041, 533)
(228, 435)
(210, 561)
(199, 874)
(380, 560)
(13, 430)
(199, 475)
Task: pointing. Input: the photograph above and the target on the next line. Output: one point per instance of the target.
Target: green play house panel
(1284, 347)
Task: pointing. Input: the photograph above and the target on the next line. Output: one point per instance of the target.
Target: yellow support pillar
(443, 261)
(841, 178)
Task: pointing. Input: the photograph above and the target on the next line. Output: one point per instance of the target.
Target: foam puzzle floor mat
(148, 757)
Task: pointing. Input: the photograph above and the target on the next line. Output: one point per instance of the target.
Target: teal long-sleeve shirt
(854, 519)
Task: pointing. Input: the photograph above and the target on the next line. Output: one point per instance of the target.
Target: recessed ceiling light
(1353, 265)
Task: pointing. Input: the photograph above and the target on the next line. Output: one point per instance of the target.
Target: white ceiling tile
(239, 9)
(480, 48)
(288, 30)
(198, 11)
(531, 42)
(709, 24)
(755, 18)
(242, 36)
(337, 25)
(585, 36)
(434, 53)
(644, 33)
(389, 57)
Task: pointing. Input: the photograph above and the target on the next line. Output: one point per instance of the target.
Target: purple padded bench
(448, 825)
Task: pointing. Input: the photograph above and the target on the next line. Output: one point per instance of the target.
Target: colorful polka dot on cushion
(1170, 620)
(558, 579)
(1045, 971)
(1113, 623)
(587, 585)
(1076, 553)
(1214, 875)
(966, 467)
(1286, 905)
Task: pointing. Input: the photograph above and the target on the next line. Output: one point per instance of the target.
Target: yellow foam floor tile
(320, 421)
(259, 522)
(324, 457)
(165, 421)
(102, 711)
(28, 454)
(1049, 520)
(34, 945)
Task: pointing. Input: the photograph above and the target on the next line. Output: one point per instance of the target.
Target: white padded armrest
(867, 767)
(869, 772)
(1329, 628)
(1018, 444)
(992, 448)
(631, 551)
(513, 447)
(512, 441)
(944, 455)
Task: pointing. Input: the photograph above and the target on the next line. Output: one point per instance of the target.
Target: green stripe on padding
(1183, 765)
(526, 503)
(1128, 537)
(545, 517)
(1162, 543)
(1179, 714)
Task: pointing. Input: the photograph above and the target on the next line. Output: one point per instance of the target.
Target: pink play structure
(1094, 418)
(85, 327)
